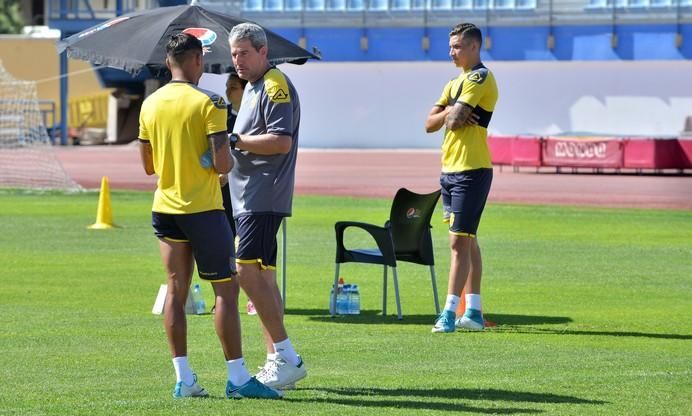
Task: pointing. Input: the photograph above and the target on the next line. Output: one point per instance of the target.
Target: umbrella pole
(63, 98)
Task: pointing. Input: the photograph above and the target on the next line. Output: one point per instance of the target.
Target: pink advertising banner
(588, 152)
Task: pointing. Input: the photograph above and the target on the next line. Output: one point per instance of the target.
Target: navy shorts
(227, 207)
(208, 233)
(256, 240)
(463, 198)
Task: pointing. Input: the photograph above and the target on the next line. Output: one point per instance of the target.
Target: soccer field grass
(593, 305)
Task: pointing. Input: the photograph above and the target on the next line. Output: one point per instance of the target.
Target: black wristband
(233, 137)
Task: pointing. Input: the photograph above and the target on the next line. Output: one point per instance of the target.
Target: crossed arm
(452, 117)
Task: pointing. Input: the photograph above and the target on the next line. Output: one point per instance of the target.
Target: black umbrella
(137, 40)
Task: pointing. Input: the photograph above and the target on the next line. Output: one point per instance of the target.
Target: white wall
(384, 105)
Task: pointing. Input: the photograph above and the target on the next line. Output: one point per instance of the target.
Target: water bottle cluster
(347, 299)
(198, 304)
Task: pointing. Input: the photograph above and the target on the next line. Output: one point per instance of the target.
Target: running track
(379, 173)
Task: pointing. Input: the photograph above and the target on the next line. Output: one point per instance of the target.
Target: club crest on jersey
(412, 213)
(218, 101)
(206, 36)
(477, 76)
(278, 95)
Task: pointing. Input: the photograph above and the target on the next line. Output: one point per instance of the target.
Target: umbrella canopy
(137, 40)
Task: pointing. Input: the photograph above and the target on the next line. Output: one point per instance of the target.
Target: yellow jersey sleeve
(277, 87)
(215, 114)
(474, 87)
(143, 132)
(443, 101)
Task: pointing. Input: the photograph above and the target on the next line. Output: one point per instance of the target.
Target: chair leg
(396, 292)
(335, 286)
(283, 264)
(434, 288)
(384, 292)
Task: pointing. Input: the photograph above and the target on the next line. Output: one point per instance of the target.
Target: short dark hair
(467, 31)
(181, 43)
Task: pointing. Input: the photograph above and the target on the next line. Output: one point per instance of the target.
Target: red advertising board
(586, 152)
(500, 149)
(653, 153)
(686, 147)
(526, 151)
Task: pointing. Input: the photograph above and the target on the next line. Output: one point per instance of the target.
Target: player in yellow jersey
(464, 109)
(178, 124)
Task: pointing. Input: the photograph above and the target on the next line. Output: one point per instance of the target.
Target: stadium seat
(638, 4)
(401, 5)
(663, 3)
(356, 5)
(482, 4)
(293, 5)
(314, 5)
(273, 5)
(379, 5)
(336, 5)
(405, 237)
(596, 4)
(504, 5)
(252, 5)
(462, 4)
(441, 4)
(418, 4)
(525, 4)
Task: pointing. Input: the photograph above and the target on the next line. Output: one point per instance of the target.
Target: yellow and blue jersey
(176, 120)
(466, 148)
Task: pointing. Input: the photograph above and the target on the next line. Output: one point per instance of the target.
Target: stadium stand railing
(292, 13)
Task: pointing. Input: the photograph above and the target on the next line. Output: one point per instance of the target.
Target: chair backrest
(409, 220)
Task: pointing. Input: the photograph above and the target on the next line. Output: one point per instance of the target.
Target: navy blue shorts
(256, 240)
(208, 233)
(227, 207)
(463, 198)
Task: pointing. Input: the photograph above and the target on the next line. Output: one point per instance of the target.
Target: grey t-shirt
(263, 184)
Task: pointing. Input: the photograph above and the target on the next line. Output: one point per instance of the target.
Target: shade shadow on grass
(568, 331)
(405, 398)
(372, 316)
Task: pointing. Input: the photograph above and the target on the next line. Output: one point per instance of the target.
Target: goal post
(27, 157)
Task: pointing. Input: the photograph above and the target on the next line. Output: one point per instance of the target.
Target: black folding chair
(404, 237)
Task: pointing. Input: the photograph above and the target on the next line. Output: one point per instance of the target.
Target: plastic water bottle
(339, 288)
(198, 301)
(342, 300)
(354, 301)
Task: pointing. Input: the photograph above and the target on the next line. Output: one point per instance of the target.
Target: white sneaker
(281, 375)
(193, 390)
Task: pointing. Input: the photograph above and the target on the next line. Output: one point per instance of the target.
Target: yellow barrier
(88, 111)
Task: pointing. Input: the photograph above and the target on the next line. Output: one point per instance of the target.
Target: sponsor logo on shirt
(278, 95)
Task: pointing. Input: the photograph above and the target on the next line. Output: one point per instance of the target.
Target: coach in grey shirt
(265, 146)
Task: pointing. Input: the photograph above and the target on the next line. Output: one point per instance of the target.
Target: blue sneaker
(193, 390)
(253, 389)
(472, 320)
(445, 322)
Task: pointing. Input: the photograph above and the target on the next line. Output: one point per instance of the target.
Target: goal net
(27, 157)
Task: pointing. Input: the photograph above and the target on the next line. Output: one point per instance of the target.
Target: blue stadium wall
(509, 43)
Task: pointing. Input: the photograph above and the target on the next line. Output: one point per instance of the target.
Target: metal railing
(292, 13)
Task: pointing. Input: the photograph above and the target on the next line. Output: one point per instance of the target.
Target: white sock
(452, 303)
(473, 301)
(271, 356)
(285, 350)
(237, 372)
(182, 370)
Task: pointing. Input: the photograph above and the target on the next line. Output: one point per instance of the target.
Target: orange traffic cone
(104, 213)
(462, 308)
